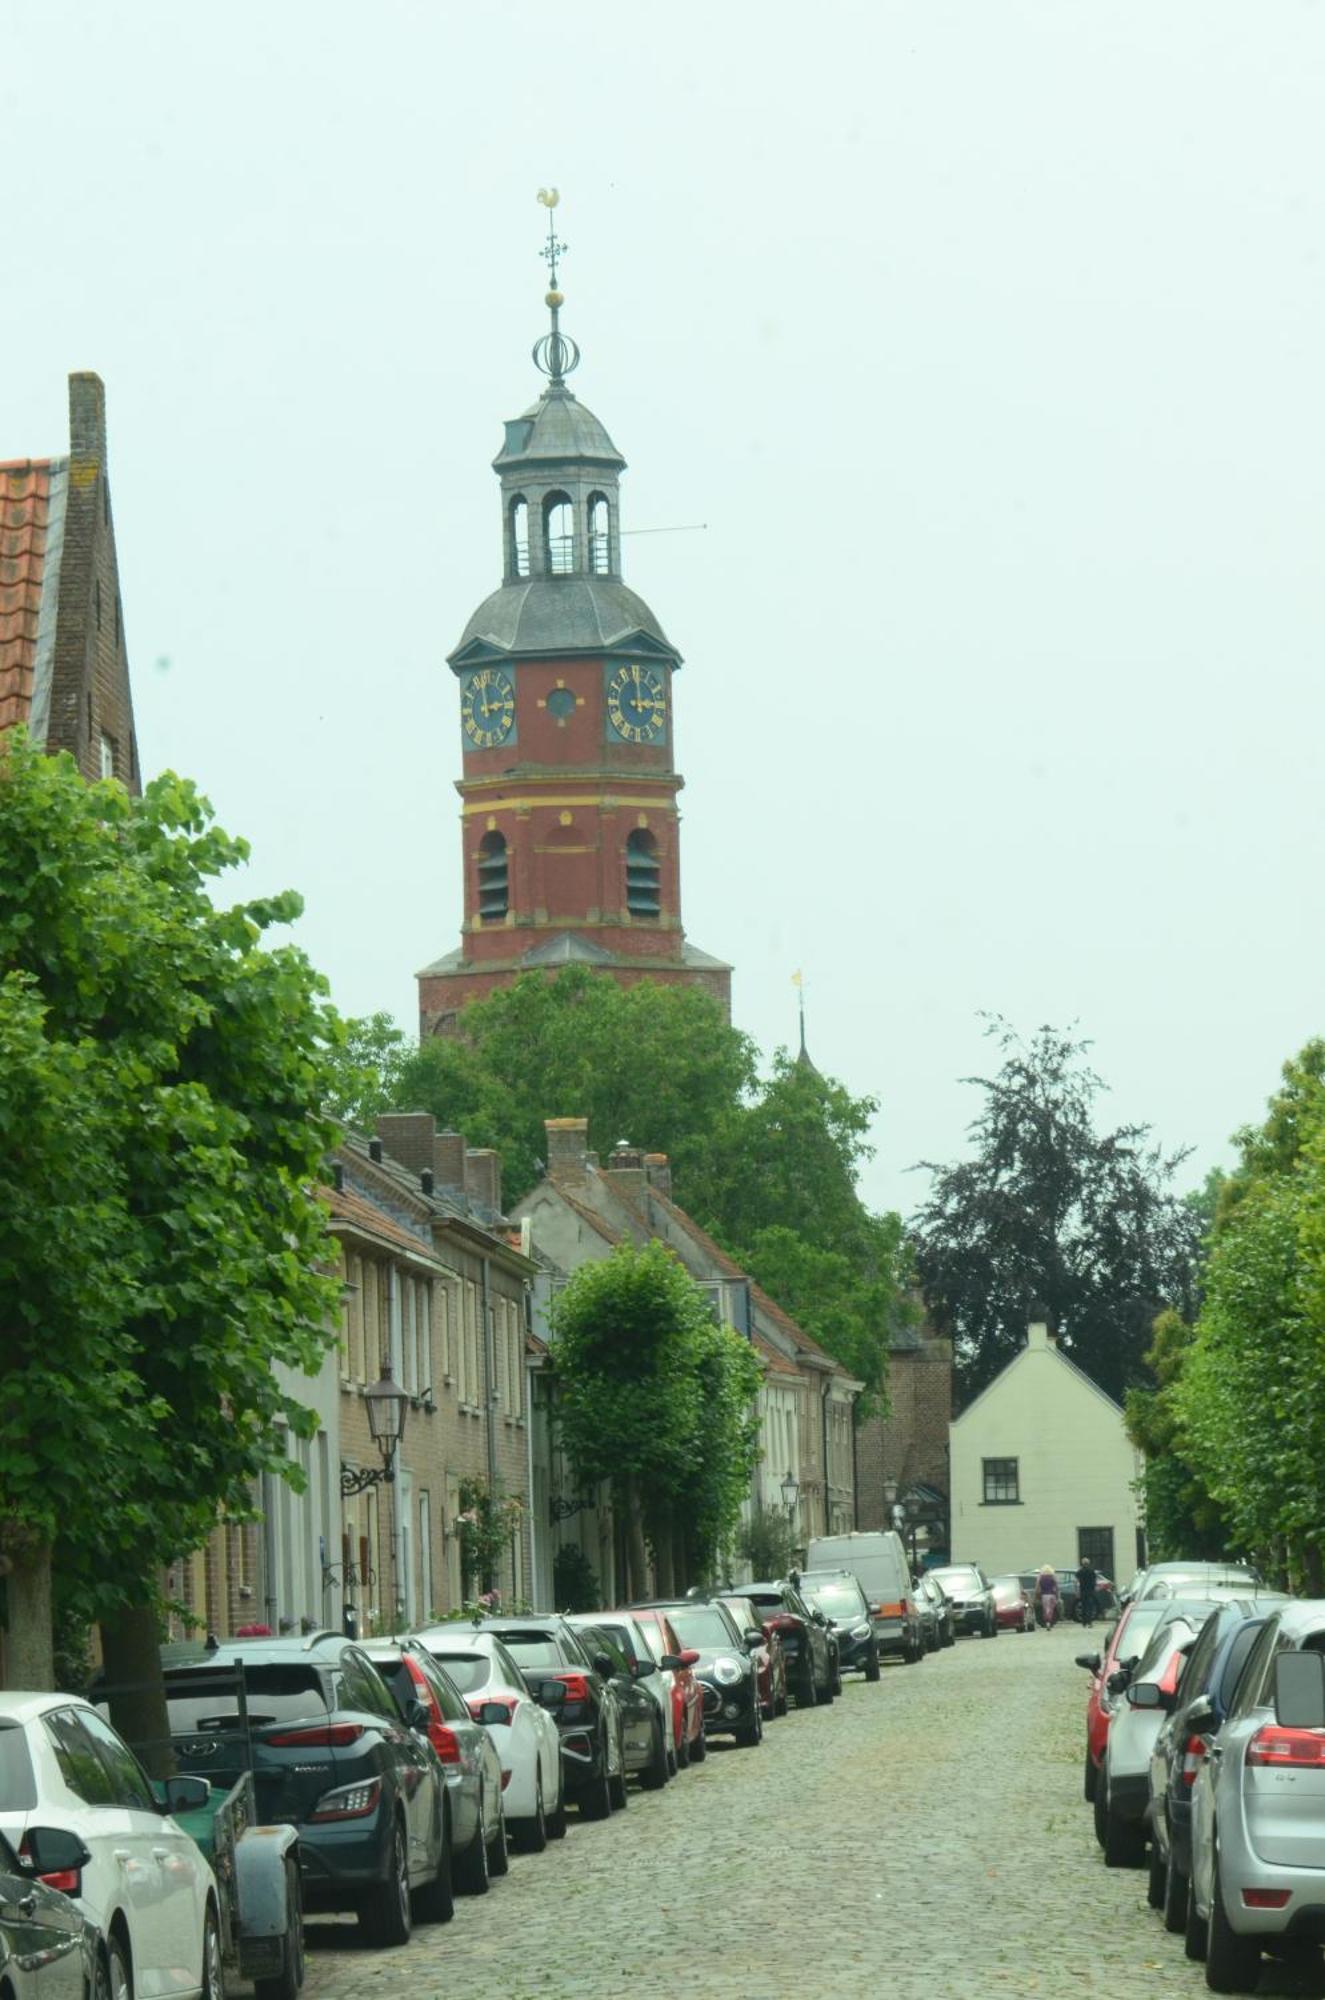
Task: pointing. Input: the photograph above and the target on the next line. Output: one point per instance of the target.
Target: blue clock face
(637, 704)
(487, 707)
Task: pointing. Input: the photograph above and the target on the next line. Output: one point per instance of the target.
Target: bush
(575, 1580)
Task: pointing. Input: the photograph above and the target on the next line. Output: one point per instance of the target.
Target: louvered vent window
(643, 875)
(493, 879)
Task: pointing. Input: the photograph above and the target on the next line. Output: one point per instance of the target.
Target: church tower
(570, 827)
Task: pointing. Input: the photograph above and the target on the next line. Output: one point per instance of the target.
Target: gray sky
(985, 337)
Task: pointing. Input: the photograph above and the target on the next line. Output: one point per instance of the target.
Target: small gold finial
(549, 197)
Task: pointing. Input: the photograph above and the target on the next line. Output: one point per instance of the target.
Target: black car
(1195, 1716)
(724, 1668)
(936, 1626)
(334, 1755)
(837, 1594)
(612, 1644)
(814, 1672)
(593, 1752)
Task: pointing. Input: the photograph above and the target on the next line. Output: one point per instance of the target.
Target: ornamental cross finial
(556, 353)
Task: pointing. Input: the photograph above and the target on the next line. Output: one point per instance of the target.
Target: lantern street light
(791, 1488)
(386, 1405)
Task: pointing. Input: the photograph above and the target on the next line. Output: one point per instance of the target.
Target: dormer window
(643, 875)
(493, 879)
(600, 535)
(559, 534)
(518, 551)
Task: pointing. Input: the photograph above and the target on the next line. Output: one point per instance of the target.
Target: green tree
(365, 1070)
(1182, 1516)
(161, 1239)
(1050, 1209)
(656, 1401)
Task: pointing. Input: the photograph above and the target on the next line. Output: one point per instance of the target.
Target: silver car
(1258, 1807)
(1124, 1779)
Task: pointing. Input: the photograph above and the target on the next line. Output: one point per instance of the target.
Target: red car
(1013, 1609)
(687, 1694)
(770, 1661)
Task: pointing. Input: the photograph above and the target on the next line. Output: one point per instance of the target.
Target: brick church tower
(569, 815)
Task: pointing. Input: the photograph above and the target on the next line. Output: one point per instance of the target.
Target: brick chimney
(448, 1162)
(658, 1169)
(625, 1163)
(567, 1153)
(408, 1137)
(87, 420)
(483, 1182)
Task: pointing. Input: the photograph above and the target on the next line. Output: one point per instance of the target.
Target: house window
(1001, 1486)
(643, 875)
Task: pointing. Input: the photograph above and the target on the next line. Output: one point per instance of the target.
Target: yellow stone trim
(608, 801)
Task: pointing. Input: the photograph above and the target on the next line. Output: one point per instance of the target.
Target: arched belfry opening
(559, 534)
(517, 544)
(643, 875)
(494, 879)
(600, 534)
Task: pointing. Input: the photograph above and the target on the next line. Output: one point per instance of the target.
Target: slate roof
(556, 428)
(32, 495)
(542, 615)
(569, 948)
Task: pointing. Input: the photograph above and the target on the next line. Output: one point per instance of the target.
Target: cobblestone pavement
(922, 1838)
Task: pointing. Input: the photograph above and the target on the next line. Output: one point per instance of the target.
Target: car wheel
(556, 1819)
(285, 1984)
(1090, 1780)
(115, 1966)
(782, 1702)
(807, 1694)
(1174, 1905)
(1193, 1933)
(385, 1914)
(683, 1750)
(872, 1667)
(699, 1749)
(1124, 1839)
(620, 1796)
(1157, 1878)
(655, 1773)
(499, 1854)
(1100, 1822)
(471, 1867)
(752, 1735)
(435, 1901)
(213, 1979)
(1232, 1962)
(530, 1835)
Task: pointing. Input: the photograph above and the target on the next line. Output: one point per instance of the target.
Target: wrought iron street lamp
(387, 1405)
(791, 1489)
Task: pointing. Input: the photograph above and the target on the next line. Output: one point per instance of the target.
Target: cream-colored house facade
(1043, 1470)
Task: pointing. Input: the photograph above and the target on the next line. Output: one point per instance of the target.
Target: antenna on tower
(556, 353)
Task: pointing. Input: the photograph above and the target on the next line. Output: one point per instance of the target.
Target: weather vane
(555, 353)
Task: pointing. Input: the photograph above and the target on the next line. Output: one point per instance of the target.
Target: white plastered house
(1043, 1470)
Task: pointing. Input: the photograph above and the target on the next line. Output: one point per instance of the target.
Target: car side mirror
(603, 1666)
(1299, 1690)
(417, 1716)
(549, 1694)
(671, 1663)
(53, 1850)
(643, 1668)
(182, 1795)
(490, 1712)
(1119, 1679)
(753, 1638)
(1090, 1661)
(1148, 1694)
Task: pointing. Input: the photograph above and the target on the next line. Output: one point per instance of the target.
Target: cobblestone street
(923, 1837)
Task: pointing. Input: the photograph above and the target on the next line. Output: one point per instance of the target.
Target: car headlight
(727, 1670)
(860, 1631)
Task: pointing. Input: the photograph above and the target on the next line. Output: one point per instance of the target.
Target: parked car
(1014, 1607)
(142, 1883)
(1193, 1717)
(49, 1949)
(1069, 1596)
(813, 1671)
(475, 1805)
(334, 1755)
(967, 1589)
(687, 1695)
(524, 1734)
(1258, 1806)
(588, 1716)
(934, 1612)
(621, 1654)
(1122, 1793)
(1186, 1572)
(837, 1594)
(878, 1561)
(724, 1668)
(770, 1662)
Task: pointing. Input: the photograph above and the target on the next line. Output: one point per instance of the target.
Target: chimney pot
(448, 1161)
(425, 1180)
(567, 1148)
(483, 1181)
(375, 1149)
(338, 1176)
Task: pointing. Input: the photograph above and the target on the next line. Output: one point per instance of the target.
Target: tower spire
(555, 353)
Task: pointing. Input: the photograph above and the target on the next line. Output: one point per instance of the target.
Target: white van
(878, 1562)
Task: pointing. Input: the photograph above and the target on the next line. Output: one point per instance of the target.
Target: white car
(145, 1884)
(524, 1735)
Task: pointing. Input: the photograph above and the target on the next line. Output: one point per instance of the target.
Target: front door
(1097, 1543)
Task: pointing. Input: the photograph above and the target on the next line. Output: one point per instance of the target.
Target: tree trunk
(136, 1690)
(637, 1562)
(1315, 1570)
(30, 1659)
(664, 1576)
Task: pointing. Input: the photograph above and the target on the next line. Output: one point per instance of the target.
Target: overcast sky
(986, 338)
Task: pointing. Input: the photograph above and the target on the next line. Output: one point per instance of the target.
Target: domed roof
(556, 427)
(562, 614)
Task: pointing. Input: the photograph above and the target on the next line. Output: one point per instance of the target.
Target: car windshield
(534, 1649)
(18, 1787)
(274, 1694)
(836, 1600)
(653, 1638)
(1006, 1586)
(703, 1626)
(468, 1670)
(958, 1578)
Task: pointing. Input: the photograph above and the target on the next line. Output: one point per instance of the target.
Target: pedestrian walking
(1087, 1601)
(1046, 1592)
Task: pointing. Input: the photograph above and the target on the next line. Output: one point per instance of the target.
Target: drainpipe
(270, 1598)
(531, 1512)
(490, 1382)
(823, 1414)
(855, 1473)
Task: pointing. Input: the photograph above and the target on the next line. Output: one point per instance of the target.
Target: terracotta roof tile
(25, 492)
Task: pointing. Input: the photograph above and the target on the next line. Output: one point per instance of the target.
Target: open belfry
(569, 815)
